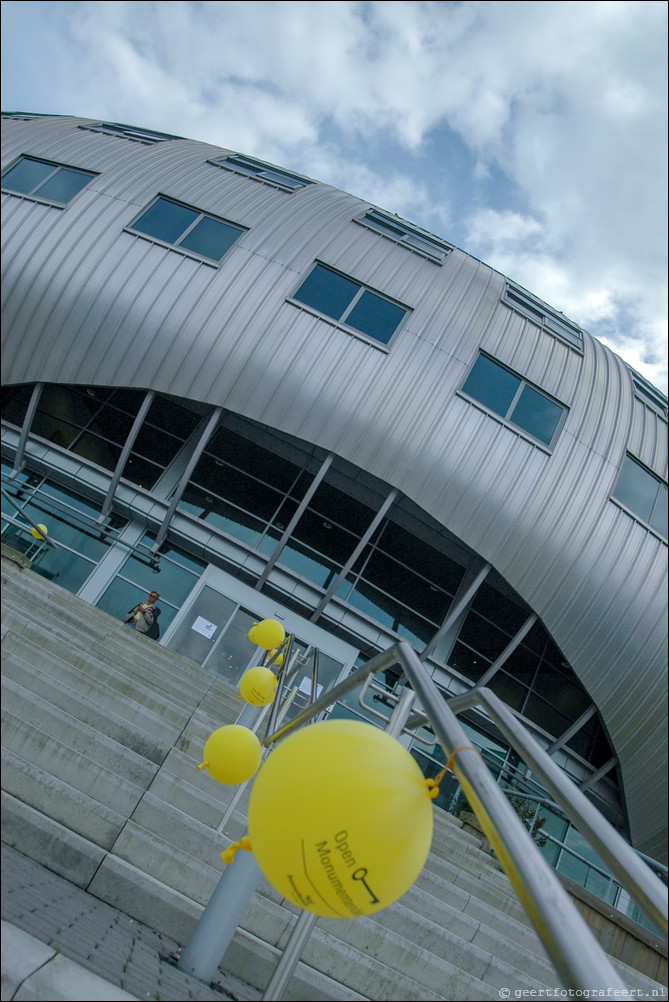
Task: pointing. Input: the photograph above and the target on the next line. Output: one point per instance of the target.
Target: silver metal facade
(86, 302)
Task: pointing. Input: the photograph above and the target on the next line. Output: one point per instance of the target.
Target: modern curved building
(265, 397)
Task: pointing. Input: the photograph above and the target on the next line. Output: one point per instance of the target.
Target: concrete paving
(60, 942)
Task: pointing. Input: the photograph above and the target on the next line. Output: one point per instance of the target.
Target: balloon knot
(202, 765)
(229, 854)
(433, 784)
(432, 788)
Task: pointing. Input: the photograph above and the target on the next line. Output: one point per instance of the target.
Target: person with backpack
(144, 617)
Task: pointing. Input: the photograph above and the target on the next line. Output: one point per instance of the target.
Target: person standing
(144, 617)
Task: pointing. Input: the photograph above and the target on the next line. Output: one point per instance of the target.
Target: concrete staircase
(102, 733)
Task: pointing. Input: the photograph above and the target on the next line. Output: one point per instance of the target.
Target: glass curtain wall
(81, 542)
(248, 484)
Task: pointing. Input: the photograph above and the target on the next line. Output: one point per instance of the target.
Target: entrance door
(212, 630)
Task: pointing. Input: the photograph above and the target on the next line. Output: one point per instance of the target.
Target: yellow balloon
(37, 535)
(268, 633)
(232, 754)
(258, 686)
(340, 819)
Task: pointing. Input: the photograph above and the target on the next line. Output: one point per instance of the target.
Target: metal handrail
(576, 954)
(135, 549)
(27, 517)
(526, 785)
(621, 858)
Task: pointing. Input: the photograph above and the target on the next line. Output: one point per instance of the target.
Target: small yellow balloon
(232, 754)
(258, 686)
(340, 819)
(39, 535)
(269, 633)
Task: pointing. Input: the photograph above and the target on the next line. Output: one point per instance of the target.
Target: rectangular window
(543, 316)
(41, 179)
(644, 390)
(19, 116)
(128, 132)
(404, 233)
(644, 494)
(187, 228)
(350, 303)
(514, 399)
(263, 172)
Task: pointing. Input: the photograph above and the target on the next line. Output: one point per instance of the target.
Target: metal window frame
(341, 320)
(660, 484)
(507, 418)
(148, 136)
(539, 313)
(260, 171)
(34, 193)
(132, 228)
(431, 247)
(649, 394)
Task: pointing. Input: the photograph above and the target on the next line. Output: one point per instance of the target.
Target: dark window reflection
(492, 385)
(165, 220)
(536, 414)
(468, 662)
(376, 317)
(513, 399)
(327, 292)
(162, 435)
(639, 491)
(15, 400)
(480, 634)
(210, 238)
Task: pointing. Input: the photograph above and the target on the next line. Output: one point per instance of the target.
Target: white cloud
(565, 100)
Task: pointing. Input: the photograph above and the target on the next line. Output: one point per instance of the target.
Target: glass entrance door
(212, 630)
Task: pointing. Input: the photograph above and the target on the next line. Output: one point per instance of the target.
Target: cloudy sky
(531, 134)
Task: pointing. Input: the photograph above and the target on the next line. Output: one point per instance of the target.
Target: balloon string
(433, 784)
(229, 854)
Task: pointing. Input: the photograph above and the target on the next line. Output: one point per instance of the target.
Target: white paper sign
(305, 687)
(204, 627)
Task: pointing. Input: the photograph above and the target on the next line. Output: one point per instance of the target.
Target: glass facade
(82, 541)
(249, 483)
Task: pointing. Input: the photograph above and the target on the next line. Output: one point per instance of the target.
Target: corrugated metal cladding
(81, 294)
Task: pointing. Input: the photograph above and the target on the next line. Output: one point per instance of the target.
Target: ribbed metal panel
(86, 302)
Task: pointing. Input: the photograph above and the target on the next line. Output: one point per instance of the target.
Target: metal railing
(81, 522)
(528, 790)
(577, 956)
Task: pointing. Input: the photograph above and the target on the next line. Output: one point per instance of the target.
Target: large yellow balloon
(340, 819)
(39, 535)
(232, 754)
(268, 633)
(258, 686)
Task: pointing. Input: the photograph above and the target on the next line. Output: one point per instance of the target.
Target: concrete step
(74, 753)
(123, 720)
(103, 733)
(118, 646)
(56, 799)
(87, 672)
(54, 845)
